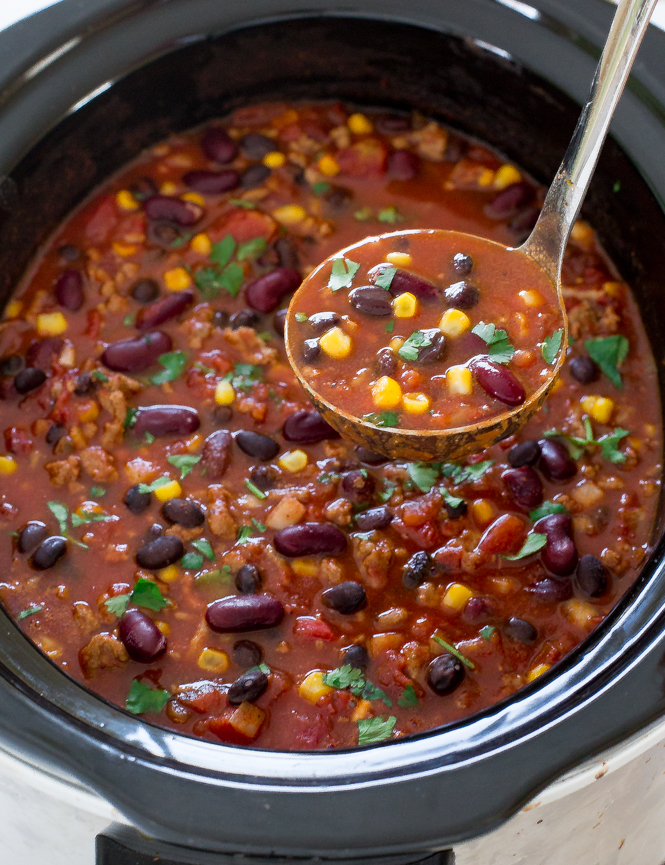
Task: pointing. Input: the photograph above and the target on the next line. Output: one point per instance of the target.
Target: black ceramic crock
(83, 87)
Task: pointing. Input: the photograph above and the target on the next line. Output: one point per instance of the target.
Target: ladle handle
(549, 237)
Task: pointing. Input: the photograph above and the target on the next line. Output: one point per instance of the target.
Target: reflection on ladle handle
(547, 241)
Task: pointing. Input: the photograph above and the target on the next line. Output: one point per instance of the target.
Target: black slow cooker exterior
(84, 86)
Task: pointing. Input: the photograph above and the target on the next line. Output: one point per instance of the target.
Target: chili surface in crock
(186, 537)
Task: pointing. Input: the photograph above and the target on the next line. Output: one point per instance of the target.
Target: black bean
(524, 486)
(218, 146)
(184, 512)
(520, 630)
(220, 318)
(216, 453)
(403, 165)
(55, 432)
(524, 454)
(386, 361)
(137, 353)
(248, 580)
(371, 300)
(559, 555)
(165, 234)
(141, 637)
(265, 293)
(555, 460)
(256, 445)
(253, 145)
(29, 379)
(551, 591)
(455, 511)
(164, 208)
(444, 674)
(435, 350)
(356, 656)
(69, 290)
(320, 322)
(310, 539)
(462, 295)
(497, 381)
(463, 263)
(307, 427)
(264, 477)
(254, 176)
(212, 182)
(583, 369)
(358, 485)
(346, 598)
(222, 414)
(247, 653)
(236, 613)
(68, 252)
(479, 610)
(279, 320)
(30, 536)
(162, 420)
(160, 553)
(337, 198)
(145, 290)
(243, 318)
(369, 457)
(49, 552)
(375, 518)
(84, 384)
(508, 201)
(163, 310)
(310, 350)
(248, 687)
(417, 570)
(287, 253)
(592, 576)
(11, 364)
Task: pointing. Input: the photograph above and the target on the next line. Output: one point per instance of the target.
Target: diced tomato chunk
(310, 628)
(426, 535)
(203, 697)
(366, 158)
(244, 225)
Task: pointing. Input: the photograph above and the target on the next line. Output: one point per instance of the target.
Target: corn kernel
(305, 567)
(506, 176)
(336, 343)
(168, 188)
(613, 289)
(359, 124)
(290, 214)
(51, 324)
(536, 671)
(399, 259)
(194, 197)
(312, 687)
(125, 200)
(123, 249)
(293, 461)
(328, 165)
(454, 322)
(405, 306)
(386, 392)
(483, 511)
(599, 407)
(88, 411)
(486, 177)
(459, 380)
(558, 384)
(177, 279)
(532, 297)
(456, 596)
(170, 574)
(582, 232)
(580, 613)
(164, 627)
(274, 159)
(13, 308)
(416, 403)
(397, 342)
(8, 465)
(213, 660)
(201, 243)
(171, 490)
(224, 393)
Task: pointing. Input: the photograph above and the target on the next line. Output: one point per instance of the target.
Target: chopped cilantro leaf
(184, 462)
(174, 363)
(147, 594)
(207, 282)
(148, 438)
(387, 492)
(142, 698)
(320, 188)
(551, 346)
(130, 417)
(382, 418)
(251, 249)
(609, 352)
(342, 273)
(423, 475)
(128, 320)
(192, 561)
(118, 604)
(258, 526)
(534, 542)
(60, 512)
(203, 546)
(353, 679)
(385, 277)
(88, 517)
(465, 474)
(452, 501)
(301, 316)
(545, 510)
(97, 492)
(240, 202)
(244, 376)
(609, 445)
(30, 611)
(408, 698)
(155, 485)
(254, 490)
(231, 278)
(371, 730)
(486, 632)
(390, 215)
(616, 186)
(409, 349)
(222, 251)
(363, 214)
(453, 651)
(390, 326)
(500, 348)
(329, 478)
(244, 534)
(222, 574)
(99, 375)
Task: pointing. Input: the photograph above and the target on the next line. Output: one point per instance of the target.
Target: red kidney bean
(497, 381)
(463, 263)
(164, 208)
(524, 486)
(162, 310)
(49, 552)
(215, 454)
(403, 165)
(247, 653)
(212, 182)
(524, 454)
(256, 445)
(254, 176)
(559, 555)
(310, 350)
(145, 290)
(404, 281)
(346, 598)
(31, 535)
(592, 576)
(264, 477)
(237, 613)
(253, 145)
(69, 290)
(358, 485)
(29, 379)
(265, 293)
(374, 518)
(310, 539)
(218, 145)
(371, 300)
(141, 637)
(40, 352)
(417, 570)
(462, 295)
(369, 457)
(551, 591)
(184, 512)
(320, 322)
(307, 427)
(248, 580)
(520, 630)
(508, 201)
(164, 420)
(555, 460)
(445, 674)
(137, 353)
(435, 350)
(135, 500)
(247, 688)
(583, 369)
(479, 610)
(160, 553)
(356, 656)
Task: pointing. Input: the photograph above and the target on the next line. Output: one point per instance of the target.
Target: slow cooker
(83, 88)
